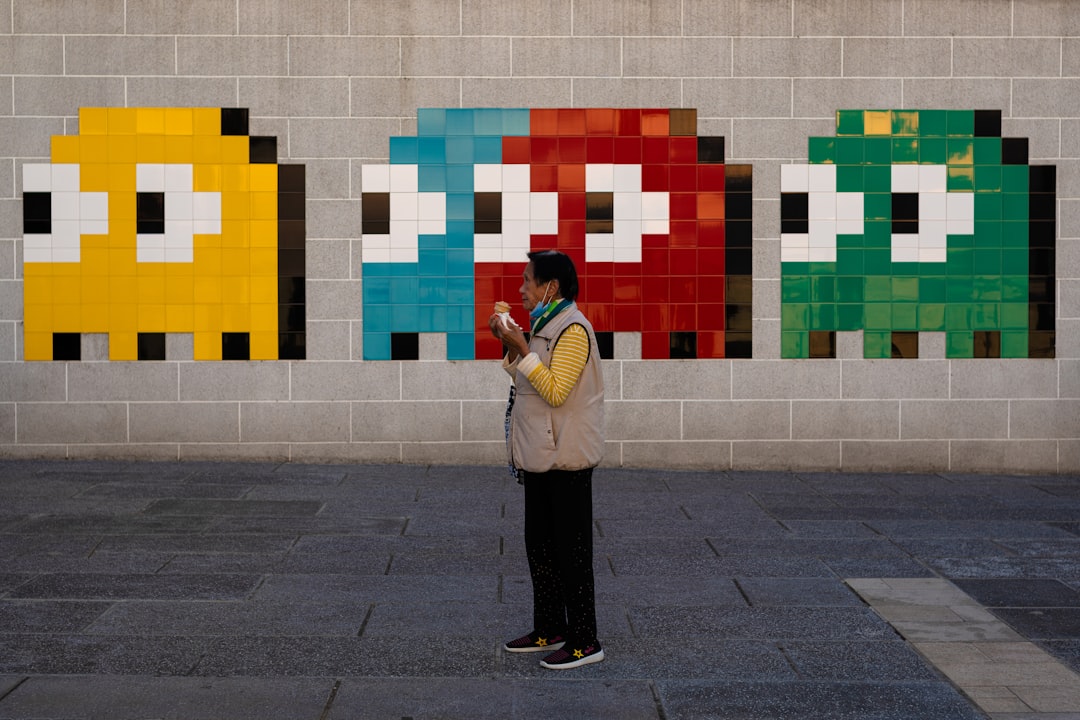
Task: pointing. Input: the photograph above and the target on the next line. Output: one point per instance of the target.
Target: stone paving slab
(85, 586)
(309, 617)
(526, 699)
(168, 698)
(49, 616)
(212, 590)
(657, 565)
(76, 654)
(797, 592)
(1016, 593)
(773, 623)
(1043, 623)
(994, 665)
(884, 661)
(703, 700)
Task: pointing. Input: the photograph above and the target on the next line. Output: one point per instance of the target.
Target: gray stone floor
(223, 590)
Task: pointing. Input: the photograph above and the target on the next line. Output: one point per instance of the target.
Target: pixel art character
(657, 224)
(164, 220)
(914, 221)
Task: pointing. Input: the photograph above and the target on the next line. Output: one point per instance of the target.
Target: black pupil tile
(37, 212)
(487, 213)
(599, 212)
(150, 209)
(375, 211)
(795, 212)
(905, 213)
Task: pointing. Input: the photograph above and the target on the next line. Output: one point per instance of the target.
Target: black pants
(559, 545)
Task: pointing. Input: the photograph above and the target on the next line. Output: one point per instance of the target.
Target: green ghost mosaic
(915, 221)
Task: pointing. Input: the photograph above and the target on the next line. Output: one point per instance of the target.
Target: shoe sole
(594, 658)
(535, 648)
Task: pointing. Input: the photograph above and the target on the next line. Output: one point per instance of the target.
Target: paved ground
(228, 591)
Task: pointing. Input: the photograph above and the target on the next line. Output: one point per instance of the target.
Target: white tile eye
(179, 178)
(516, 178)
(37, 177)
(186, 213)
(831, 213)
(488, 178)
(375, 178)
(627, 178)
(795, 178)
(150, 177)
(905, 178)
(600, 177)
(73, 213)
(822, 178)
(65, 177)
(960, 213)
(933, 178)
(404, 178)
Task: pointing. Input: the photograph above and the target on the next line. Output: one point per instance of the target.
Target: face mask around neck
(542, 305)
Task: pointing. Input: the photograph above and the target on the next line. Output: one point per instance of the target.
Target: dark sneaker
(534, 642)
(567, 658)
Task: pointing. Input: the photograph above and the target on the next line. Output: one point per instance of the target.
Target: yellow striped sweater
(567, 361)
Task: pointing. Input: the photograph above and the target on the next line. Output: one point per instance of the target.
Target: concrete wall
(333, 79)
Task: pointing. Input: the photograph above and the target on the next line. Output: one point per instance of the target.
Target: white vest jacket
(568, 437)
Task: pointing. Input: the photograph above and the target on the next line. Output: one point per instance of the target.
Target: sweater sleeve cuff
(528, 363)
(510, 367)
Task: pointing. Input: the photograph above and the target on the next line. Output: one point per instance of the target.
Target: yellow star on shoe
(579, 654)
(542, 642)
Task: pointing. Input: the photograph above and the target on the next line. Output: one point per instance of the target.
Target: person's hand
(495, 325)
(514, 339)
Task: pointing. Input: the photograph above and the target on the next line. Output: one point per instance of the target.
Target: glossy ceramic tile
(164, 220)
(915, 221)
(656, 222)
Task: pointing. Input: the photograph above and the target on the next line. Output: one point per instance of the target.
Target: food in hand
(503, 309)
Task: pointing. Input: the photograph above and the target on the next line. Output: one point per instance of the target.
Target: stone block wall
(333, 80)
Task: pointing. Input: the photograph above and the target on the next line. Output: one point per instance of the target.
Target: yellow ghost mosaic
(154, 221)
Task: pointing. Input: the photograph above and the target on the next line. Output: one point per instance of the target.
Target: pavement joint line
(1004, 674)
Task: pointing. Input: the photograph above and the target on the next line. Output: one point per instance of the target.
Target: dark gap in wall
(235, 346)
(905, 345)
(987, 344)
(823, 343)
(683, 345)
(151, 346)
(67, 346)
(405, 346)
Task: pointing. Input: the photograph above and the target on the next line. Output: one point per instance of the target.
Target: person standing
(554, 440)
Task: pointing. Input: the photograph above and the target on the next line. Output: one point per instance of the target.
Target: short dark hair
(554, 265)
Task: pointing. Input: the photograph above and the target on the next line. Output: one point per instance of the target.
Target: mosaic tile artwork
(914, 221)
(155, 221)
(657, 224)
